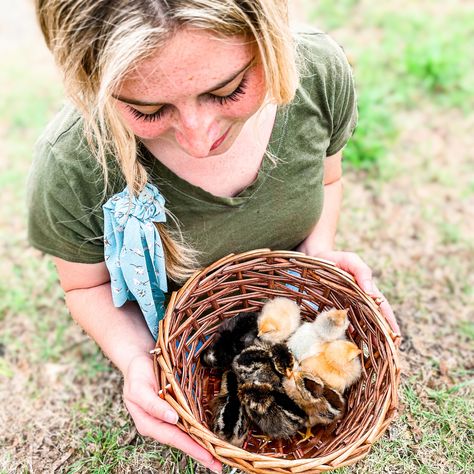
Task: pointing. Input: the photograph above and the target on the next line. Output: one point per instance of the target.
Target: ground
(408, 211)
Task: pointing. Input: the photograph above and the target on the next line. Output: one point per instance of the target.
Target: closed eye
(234, 96)
(147, 117)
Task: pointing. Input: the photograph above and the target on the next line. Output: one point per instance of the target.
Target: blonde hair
(96, 42)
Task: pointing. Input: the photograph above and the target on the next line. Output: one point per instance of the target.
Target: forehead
(191, 62)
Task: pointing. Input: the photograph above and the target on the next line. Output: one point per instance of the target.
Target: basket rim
(177, 296)
(227, 452)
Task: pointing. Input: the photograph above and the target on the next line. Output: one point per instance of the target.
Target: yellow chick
(328, 326)
(337, 364)
(279, 319)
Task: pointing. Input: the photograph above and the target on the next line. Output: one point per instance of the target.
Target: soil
(402, 225)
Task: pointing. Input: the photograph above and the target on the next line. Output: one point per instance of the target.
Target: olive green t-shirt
(278, 210)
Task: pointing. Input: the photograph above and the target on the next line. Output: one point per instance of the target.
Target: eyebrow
(142, 103)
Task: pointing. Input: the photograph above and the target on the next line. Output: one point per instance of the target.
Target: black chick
(263, 362)
(271, 410)
(233, 335)
(260, 369)
(283, 360)
(321, 404)
(229, 421)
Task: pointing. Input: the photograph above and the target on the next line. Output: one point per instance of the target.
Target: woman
(236, 121)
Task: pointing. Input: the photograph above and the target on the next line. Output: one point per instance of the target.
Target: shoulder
(62, 151)
(320, 55)
(65, 192)
(63, 161)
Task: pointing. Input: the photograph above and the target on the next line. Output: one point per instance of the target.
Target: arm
(322, 236)
(123, 336)
(320, 241)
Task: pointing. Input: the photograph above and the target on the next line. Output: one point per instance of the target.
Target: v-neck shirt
(277, 210)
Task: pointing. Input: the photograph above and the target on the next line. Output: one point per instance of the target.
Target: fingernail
(213, 468)
(171, 417)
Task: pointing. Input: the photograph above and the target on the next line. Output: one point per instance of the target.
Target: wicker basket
(242, 283)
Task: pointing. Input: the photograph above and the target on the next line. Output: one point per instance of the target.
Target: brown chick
(329, 325)
(272, 410)
(255, 365)
(322, 405)
(264, 363)
(229, 421)
(337, 364)
(279, 318)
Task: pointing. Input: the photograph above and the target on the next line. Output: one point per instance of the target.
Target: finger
(173, 436)
(386, 310)
(353, 264)
(145, 397)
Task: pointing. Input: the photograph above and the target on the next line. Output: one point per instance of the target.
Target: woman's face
(197, 92)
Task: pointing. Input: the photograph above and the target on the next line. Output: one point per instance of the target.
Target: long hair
(96, 42)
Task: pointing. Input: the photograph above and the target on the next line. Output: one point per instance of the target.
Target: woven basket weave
(242, 283)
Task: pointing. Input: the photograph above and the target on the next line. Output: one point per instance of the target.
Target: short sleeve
(343, 101)
(62, 219)
(327, 85)
(65, 192)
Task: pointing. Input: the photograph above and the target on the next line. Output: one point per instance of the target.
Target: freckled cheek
(244, 108)
(250, 102)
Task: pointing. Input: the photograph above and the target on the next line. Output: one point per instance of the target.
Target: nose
(197, 130)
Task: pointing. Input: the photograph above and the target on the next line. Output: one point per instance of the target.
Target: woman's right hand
(154, 417)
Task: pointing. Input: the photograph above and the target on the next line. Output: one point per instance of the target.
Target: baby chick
(321, 404)
(278, 320)
(272, 410)
(233, 335)
(337, 364)
(328, 326)
(264, 363)
(229, 421)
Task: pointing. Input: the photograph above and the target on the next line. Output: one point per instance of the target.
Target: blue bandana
(134, 253)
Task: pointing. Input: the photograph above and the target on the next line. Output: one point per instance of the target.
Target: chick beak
(289, 373)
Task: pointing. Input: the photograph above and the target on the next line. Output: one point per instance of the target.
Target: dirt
(400, 226)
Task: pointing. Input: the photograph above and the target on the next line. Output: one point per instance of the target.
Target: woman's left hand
(353, 264)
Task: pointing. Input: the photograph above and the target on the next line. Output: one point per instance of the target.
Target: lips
(219, 140)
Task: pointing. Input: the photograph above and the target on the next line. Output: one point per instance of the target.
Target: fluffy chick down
(233, 336)
(272, 410)
(329, 325)
(321, 404)
(337, 364)
(280, 317)
(229, 422)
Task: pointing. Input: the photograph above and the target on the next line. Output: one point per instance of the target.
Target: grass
(413, 60)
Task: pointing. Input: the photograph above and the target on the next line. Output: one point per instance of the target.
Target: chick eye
(234, 96)
(147, 117)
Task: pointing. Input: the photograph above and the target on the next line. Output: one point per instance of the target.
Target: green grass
(413, 59)
(431, 436)
(467, 329)
(334, 13)
(100, 451)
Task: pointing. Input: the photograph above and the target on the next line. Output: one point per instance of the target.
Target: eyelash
(232, 97)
